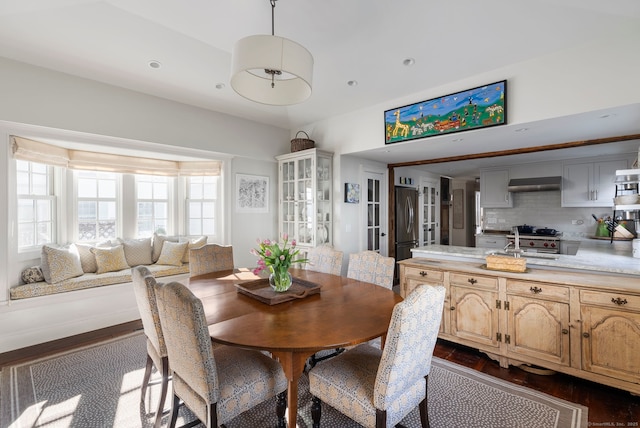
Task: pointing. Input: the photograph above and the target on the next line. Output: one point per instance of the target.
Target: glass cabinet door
(305, 197)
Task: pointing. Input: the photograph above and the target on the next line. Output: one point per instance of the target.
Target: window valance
(36, 151)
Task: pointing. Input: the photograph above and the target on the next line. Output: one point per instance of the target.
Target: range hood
(535, 184)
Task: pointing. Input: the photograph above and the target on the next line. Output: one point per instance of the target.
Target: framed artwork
(351, 193)
(475, 108)
(252, 193)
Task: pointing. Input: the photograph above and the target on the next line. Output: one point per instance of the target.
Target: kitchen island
(593, 255)
(578, 315)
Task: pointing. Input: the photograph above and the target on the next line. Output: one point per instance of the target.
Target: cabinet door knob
(535, 290)
(565, 331)
(472, 280)
(585, 335)
(423, 273)
(618, 301)
(453, 308)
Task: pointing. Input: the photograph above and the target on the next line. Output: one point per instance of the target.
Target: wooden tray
(484, 266)
(262, 291)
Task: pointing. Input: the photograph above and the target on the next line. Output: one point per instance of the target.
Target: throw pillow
(87, 259)
(32, 274)
(60, 263)
(194, 243)
(110, 259)
(138, 251)
(172, 253)
(158, 240)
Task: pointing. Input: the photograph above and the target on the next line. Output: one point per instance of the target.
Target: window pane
(25, 211)
(145, 190)
(160, 191)
(39, 184)
(39, 168)
(23, 183)
(45, 234)
(22, 165)
(145, 210)
(208, 228)
(44, 209)
(195, 227)
(87, 210)
(210, 191)
(195, 191)
(160, 210)
(145, 227)
(208, 209)
(87, 231)
(106, 188)
(87, 188)
(26, 236)
(195, 209)
(107, 210)
(107, 229)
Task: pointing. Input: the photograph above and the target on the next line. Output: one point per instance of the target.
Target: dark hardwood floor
(608, 407)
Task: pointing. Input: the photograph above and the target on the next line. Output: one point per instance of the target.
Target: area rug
(99, 386)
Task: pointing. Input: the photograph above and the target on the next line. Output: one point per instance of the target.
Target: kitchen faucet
(516, 245)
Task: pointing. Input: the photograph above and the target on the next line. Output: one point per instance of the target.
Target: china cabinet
(305, 197)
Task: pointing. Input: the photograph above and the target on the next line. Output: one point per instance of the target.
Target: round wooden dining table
(345, 312)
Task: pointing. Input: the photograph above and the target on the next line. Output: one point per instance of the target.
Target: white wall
(592, 77)
(39, 102)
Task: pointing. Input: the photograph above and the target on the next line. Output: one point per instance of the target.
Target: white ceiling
(113, 41)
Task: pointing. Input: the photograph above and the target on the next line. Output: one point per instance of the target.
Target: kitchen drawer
(477, 281)
(610, 299)
(539, 290)
(430, 275)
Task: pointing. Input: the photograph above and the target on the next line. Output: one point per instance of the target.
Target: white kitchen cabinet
(305, 197)
(590, 184)
(493, 189)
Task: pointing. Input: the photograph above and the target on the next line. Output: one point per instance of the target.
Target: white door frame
(382, 174)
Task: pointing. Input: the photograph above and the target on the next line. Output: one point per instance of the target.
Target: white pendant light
(271, 70)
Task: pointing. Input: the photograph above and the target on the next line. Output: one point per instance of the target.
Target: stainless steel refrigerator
(406, 216)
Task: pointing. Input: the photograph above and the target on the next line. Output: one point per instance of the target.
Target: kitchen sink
(528, 255)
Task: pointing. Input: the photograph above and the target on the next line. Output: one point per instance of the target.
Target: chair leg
(424, 405)
(381, 418)
(163, 391)
(281, 409)
(316, 411)
(174, 412)
(213, 416)
(145, 379)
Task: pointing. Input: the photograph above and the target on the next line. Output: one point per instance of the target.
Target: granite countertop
(593, 255)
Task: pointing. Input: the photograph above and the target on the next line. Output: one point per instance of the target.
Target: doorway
(375, 195)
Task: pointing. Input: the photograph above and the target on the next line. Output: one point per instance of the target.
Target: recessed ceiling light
(408, 62)
(607, 115)
(522, 129)
(457, 140)
(220, 85)
(352, 83)
(155, 64)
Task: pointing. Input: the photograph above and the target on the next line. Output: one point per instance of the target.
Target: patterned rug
(99, 386)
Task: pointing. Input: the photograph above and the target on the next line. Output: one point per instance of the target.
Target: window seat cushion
(89, 280)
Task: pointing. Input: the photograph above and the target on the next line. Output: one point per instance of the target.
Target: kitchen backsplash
(542, 209)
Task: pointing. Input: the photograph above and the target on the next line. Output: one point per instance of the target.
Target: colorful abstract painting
(475, 108)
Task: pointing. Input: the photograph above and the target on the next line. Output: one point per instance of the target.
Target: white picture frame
(252, 193)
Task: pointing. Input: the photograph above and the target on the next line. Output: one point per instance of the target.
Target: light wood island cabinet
(583, 324)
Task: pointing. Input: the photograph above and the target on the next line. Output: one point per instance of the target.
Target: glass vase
(280, 280)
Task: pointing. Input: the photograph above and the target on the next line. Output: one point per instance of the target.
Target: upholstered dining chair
(325, 259)
(210, 258)
(378, 388)
(370, 266)
(216, 384)
(144, 288)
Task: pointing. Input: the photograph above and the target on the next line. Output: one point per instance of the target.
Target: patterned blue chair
(378, 388)
(369, 266)
(144, 287)
(216, 384)
(210, 258)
